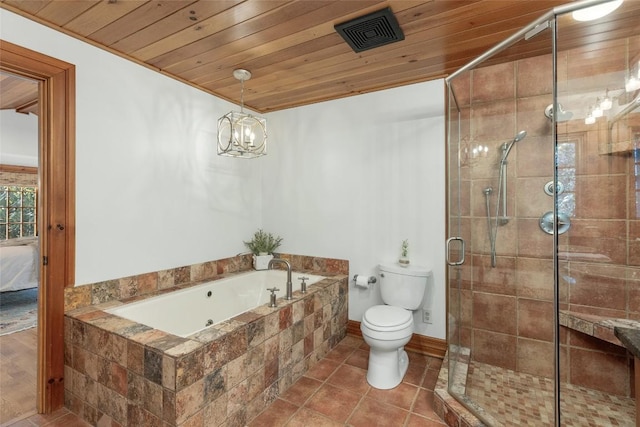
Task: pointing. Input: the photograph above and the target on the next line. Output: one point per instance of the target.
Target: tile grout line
(410, 410)
(355, 408)
(323, 383)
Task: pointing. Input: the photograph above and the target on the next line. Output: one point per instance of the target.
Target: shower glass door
(501, 350)
(598, 207)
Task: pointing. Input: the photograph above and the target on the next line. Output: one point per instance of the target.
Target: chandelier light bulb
(596, 111)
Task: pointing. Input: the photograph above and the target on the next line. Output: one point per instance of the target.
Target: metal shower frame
(548, 20)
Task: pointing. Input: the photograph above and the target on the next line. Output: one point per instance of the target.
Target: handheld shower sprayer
(501, 217)
(507, 146)
(502, 187)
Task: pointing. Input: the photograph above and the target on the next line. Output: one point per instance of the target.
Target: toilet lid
(387, 317)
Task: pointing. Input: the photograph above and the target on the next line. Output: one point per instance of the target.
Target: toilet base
(387, 368)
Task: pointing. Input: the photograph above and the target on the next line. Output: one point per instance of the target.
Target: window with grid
(17, 211)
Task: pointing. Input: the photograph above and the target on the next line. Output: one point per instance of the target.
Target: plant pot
(261, 262)
(404, 262)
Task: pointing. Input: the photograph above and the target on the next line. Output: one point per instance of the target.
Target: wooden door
(57, 213)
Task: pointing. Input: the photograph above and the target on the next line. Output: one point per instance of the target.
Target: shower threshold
(526, 400)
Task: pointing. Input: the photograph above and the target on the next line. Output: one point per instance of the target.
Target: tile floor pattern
(60, 418)
(334, 392)
(527, 400)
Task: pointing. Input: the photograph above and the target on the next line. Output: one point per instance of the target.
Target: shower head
(562, 115)
(520, 136)
(507, 146)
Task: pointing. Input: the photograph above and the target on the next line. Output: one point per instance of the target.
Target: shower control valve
(547, 222)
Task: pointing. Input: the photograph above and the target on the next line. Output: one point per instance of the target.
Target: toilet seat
(387, 318)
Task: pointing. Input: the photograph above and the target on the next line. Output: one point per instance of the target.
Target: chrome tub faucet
(289, 294)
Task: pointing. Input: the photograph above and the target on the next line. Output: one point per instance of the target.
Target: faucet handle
(303, 285)
(272, 297)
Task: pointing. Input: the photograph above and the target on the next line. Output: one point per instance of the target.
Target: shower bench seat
(621, 332)
(597, 326)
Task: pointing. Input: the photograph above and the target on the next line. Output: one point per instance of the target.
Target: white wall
(352, 178)
(18, 139)
(151, 193)
(344, 179)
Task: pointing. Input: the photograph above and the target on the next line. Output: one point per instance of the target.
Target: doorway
(57, 213)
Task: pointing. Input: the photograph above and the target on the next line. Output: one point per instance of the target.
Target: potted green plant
(404, 253)
(262, 245)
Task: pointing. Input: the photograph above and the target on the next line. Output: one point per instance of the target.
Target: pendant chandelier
(241, 134)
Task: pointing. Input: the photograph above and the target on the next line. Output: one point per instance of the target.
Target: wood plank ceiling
(290, 46)
(17, 93)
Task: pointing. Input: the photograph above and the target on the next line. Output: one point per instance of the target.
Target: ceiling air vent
(372, 30)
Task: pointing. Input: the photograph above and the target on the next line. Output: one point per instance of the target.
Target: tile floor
(334, 392)
(60, 418)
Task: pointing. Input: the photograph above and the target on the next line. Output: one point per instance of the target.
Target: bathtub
(187, 311)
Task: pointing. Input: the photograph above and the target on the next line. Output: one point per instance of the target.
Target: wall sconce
(633, 81)
(590, 119)
(241, 134)
(597, 110)
(606, 102)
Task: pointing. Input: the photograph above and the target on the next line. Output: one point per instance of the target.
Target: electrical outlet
(426, 316)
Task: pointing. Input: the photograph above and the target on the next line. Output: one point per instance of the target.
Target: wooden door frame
(56, 222)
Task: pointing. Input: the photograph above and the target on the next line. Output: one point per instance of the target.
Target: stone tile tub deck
(128, 374)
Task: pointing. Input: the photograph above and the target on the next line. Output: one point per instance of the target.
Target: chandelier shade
(242, 134)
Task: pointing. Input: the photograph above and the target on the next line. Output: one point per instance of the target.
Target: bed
(19, 264)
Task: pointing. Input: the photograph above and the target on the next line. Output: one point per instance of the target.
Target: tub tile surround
(127, 373)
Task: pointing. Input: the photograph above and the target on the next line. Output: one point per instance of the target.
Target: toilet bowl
(388, 328)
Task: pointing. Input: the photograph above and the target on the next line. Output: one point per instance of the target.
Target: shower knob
(548, 188)
(546, 222)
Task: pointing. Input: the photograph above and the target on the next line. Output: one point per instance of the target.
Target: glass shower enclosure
(544, 222)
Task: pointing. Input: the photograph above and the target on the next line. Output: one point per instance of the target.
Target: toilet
(387, 328)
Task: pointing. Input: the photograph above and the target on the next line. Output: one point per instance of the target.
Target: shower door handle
(461, 261)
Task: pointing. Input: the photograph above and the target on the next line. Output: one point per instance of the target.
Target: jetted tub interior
(188, 311)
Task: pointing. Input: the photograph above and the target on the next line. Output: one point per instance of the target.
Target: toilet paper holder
(371, 279)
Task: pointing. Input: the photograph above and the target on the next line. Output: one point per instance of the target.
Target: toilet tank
(403, 286)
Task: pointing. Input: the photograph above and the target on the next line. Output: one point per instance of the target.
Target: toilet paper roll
(362, 281)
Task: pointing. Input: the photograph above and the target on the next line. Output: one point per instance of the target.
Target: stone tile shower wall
(124, 373)
(507, 311)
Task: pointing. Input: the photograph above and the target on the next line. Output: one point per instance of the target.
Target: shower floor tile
(527, 400)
